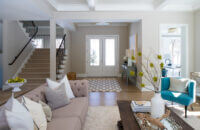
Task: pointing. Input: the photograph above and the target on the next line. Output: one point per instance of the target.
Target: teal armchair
(182, 98)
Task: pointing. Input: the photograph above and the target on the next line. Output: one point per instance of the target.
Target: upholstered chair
(182, 98)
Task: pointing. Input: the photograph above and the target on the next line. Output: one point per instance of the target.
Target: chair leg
(185, 111)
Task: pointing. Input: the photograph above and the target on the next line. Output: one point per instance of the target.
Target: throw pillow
(37, 113)
(57, 97)
(179, 85)
(18, 120)
(17, 117)
(54, 84)
(3, 121)
(47, 111)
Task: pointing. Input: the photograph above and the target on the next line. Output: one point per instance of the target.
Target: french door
(102, 55)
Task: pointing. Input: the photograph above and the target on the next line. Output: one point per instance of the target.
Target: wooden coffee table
(128, 121)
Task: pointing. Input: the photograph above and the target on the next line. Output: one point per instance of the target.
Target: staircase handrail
(62, 43)
(29, 41)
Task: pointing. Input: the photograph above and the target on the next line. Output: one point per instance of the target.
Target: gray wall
(14, 40)
(78, 46)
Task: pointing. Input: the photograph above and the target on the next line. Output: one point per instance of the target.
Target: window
(94, 52)
(38, 43)
(110, 52)
(58, 42)
(172, 46)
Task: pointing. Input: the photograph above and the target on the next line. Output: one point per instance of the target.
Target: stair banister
(60, 53)
(33, 36)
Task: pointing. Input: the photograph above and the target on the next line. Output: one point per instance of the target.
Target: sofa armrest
(192, 89)
(165, 83)
(79, 87)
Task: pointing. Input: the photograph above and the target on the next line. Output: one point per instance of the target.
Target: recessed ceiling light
(102, 23)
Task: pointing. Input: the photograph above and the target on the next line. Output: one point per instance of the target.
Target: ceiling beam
(160, 4)
(66, 24)
(91, 4)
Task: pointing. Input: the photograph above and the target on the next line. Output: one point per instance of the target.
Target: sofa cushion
(179, 85)
(37, 94)
(65, 123)
(57, 97)
(77, 108)
(177, 97)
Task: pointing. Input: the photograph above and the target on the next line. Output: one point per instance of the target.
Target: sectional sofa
(71, 116)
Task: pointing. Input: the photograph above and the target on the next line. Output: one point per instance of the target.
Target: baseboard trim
(81, 75)
(85, 75)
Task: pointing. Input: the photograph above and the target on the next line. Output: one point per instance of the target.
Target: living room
(96, 64)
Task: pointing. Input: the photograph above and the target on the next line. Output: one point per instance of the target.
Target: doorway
(173, 47)
(102, 52)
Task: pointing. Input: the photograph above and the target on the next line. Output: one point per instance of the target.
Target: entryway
(102, 55)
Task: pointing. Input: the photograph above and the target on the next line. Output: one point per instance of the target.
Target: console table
(126, 72)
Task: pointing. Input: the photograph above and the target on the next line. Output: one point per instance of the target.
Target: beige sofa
(71, 116)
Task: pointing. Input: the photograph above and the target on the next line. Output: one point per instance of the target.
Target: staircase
(37, 69)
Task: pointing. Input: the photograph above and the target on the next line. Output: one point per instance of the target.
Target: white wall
(151, 21)
(78, 52)
(68, 45)
(14, 40)
(197, 40)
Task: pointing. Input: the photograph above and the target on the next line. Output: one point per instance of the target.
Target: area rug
(104, 85)
(102, 118)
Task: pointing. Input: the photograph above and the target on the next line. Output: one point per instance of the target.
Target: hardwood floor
(129, 92)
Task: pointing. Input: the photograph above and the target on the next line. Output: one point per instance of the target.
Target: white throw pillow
(19, 120)
(37, 113)
(179, 85)
(17, 116)
(54, 84)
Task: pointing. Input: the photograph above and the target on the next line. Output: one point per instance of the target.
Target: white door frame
(117, 53)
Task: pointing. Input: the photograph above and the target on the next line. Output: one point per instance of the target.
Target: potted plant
(151, 72)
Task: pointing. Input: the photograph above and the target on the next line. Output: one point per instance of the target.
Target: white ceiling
(125, 5)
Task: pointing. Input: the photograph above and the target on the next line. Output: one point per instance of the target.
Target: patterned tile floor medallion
(103, 85)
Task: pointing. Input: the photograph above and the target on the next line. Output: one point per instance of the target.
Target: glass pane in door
(109, 52)
(94, 52)
(171, 50)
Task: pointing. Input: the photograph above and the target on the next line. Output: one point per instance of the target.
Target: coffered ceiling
(125, 5)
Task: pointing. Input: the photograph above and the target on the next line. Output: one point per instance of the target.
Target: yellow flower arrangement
(133, 57)
(162, 65)
(159, 57)
(140, 74)
(155, 79)
(139, 53)
(132, 73)
(151, 65)
(142, 85)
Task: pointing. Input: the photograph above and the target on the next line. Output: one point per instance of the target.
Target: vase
(157, 106)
